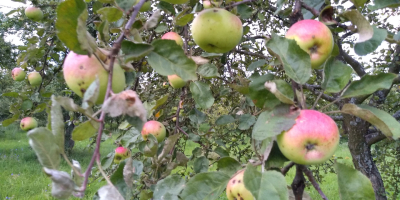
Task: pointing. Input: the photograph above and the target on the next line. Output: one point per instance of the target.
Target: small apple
(28, 123)
(165, 85)
(217, 30)
(173, 36)
(18, 74)
(155, 128)
(315, 38)
(175, 81)
(81, 70)
(207, 4)
(312, 140)
(174, 119)
(121, 153)
(236, 189)
(34, 78)
(34, 13)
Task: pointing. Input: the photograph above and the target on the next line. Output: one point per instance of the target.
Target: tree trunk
(361, 153)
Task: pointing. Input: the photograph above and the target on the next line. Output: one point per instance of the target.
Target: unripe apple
(175, 81)
(155, 128)
(217, 30)
(34, 13)
(312, 140)
(236, 190)
(81, 70)
(18, 74)
(34, 78)
(28, 123)
(173, 36)
(121, 153)
(165, 85)
(315, 38)
(207, 4)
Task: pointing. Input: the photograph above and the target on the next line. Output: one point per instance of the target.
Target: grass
(22, 176)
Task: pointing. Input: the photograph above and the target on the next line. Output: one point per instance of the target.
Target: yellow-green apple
(28, 123)
(165, 85)
(121, 153)
(155, 128)
(312, 140)
(236, 189)
(33, 13)
(18, 74)
(207, 4)
(175, 81)
(217, 30)
(315, 38)
(81, 70)
(34, 78)
(173, 36)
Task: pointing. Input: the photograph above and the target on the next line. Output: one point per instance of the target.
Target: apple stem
(311, 178)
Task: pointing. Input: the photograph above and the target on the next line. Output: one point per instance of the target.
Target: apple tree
(257, 87)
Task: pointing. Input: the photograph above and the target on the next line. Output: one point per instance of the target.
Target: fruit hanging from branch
(155, 128)
(28, 123)
(173, 36)
(34, 78)
(236, 189)
(176, 82)
(121, 153)
(33, 13)
(18, 74)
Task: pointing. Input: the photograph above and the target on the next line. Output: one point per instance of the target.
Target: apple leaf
(359, 3)
(206, 185)
(91, 94)
(153, 20)
(379, 118)
(71, 27)
(125, 5)
(256, 64)
(176, 1)
(26, 105)
(275, 158)
(107, 161)
(272, 123)
(197, 116)
(261, 97)
(57, 123)
(9, 121)
(42, 142)
(353, 184)
(149, 147)
(168, 146)
(246, 121)
(379, 4)
(224, 119)
(168, 58)
(200, 164)
(228, 165)
(83, 131)
(183, 20)
(372, 44)
(110, 14)
(336, 75)
(271, 184)
(10, 94)
(135, 51)
(170, 186)
(244, 11)
(282, 90)
(62, 184)
(161, 101)
(109, 192)
(364, 29)
(316, 4)
(369, 84)
(202, 94)
(208, 71)
(296, 61)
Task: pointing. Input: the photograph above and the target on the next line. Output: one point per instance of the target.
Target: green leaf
(207, 185)
(200, 164)
(316, 4)
(43, 143)
(107, 161)
(196, 116)
(372, 44)
(336, 75)
(369, 84)
(244, 11)
(153, 20)
(91, 94)
(57, 123)
(150, 146)
(359, 3)
(104, 30)
(125, 5)
(271, 184)
(272, 123)
(71, 27)
(161, 101)
(40, 108)
(208, 71)
(166, 7)
(296, 61)
(275, 159)
(168, 58)
(185, 19)
(224, 119)
(260, 95)
(379, 118)
(353, 184)
(176, 1)
(379, 4)
(9, 121)
(364, 29)
(228, 165)
(221, 152)
(282, 90)
(168, 145)
(83, 131)
(110, 14)
(279, 5)
(246, 121)
(161, 28)
(10, 94)
(202, 94)
(256, 64)
(170, 186)
(26, 105)
(135, 51)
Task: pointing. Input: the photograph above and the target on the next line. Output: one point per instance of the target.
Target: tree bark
(69, 127)
(298, 183)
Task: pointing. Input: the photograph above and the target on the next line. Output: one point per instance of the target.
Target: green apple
(33, 13)
(175, 81)
(217, 30)
(28, 123)
(155, 128)
(81, 70)
(236, 190)
(315, 38)
(121, 153)
(34, 78)
(312, 140)
(207, 4)
(18, 74)
(173, 36)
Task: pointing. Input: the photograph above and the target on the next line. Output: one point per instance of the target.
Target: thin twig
(310, 177)
(316, 100)
(102, 171)
(286, 168)
(238, 3)
(329, 104)
(71, 165)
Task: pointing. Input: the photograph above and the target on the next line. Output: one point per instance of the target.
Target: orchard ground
(22, 176)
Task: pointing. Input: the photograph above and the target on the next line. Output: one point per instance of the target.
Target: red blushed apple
(236, 189)
(155, 128)
(175, 81)
(312, 140)
(28, 123)
(173, 36)
(313, 37)
(18, 74)
(121, 153)
(33, 13)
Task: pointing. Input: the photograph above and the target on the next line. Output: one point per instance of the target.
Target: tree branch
(251, 54)
(311, 9)
(310, 177)
(238, 3)
(286, 168)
